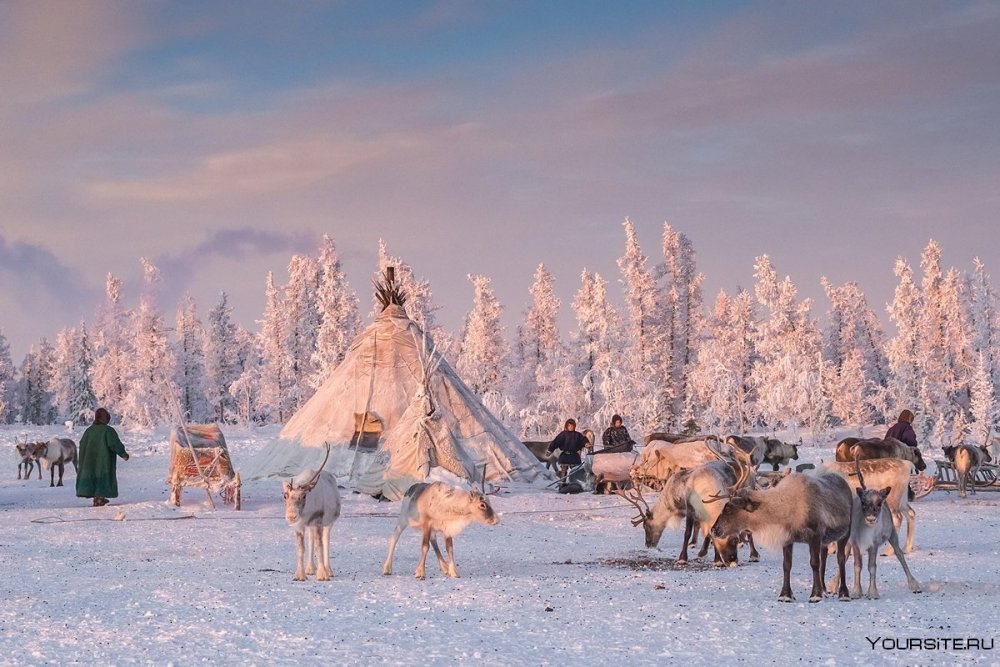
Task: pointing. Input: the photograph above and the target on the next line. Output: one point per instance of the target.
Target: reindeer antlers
(857, 468)
(636, 498)
(312, 482)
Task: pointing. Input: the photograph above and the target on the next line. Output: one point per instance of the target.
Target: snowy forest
(668, 360)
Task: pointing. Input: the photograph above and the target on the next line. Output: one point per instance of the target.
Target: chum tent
(391, 411)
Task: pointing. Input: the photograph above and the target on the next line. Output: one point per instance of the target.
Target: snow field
(535, 590)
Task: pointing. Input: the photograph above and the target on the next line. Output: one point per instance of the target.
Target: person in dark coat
(97, 475)
(616, 437)
(902, 430)
(570, 442)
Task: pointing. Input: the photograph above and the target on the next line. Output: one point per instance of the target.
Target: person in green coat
(97, 477)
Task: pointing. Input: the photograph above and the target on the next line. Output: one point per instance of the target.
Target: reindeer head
(872, 502)
(732, 519)
(295, 496)
(482, 510)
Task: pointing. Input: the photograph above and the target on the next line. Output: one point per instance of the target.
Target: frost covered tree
(221, 365)
(245, 389)
(150, 390)
(7, 381)
(542, 380)
(482, 355)
(721, 377)
(682, 317)
(644, 363)
(74, 393)
(189, 352)
(905, 386)
(596, 354)
(787, 377)
(853, 349)
(276, 377)
(35, 396)
(958, 355)
(983, 403)
(301, 324)
(984, 320)
(112, 347)
(337, 307)
(931, 347)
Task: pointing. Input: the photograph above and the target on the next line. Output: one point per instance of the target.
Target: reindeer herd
(852, 505)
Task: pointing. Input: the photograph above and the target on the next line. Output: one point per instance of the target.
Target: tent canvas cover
(391, 411)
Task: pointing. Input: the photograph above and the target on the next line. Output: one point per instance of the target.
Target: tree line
(753, 360)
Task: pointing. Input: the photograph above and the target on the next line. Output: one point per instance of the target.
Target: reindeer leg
(52, 475)
(326, 551)
(754, 556)
(437, 552)
(450, 546)
(911, 526)
(62, 468)
(310, 552)
(815, 546)
(858, 557)
(322, 566)
(39, 466)
(704, 546)
(910, 579)
(300, 551)
(400, 527)
(682, 559)
(786, 587)
(823, 556)
(425, 544)
(842, 551)
(872, 567)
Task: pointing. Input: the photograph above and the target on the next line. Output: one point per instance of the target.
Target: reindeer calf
(871, 527)
(55, 452)
(26, 452)
(312, 504)
(434, 508)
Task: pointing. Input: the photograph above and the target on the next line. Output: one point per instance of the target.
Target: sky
(218, 139)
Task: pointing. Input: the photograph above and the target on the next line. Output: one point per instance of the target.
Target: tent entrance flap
(367, 431)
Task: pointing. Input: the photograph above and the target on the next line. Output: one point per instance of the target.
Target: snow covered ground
(552, 584)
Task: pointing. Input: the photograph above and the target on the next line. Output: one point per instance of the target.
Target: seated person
(616, 437)
(571, 443)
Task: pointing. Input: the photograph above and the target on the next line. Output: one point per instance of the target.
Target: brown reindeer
(807, 509)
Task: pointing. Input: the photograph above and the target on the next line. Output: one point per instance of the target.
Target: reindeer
(683, 498)
(437, 507)
(877, 448)
(871, 527)
(967, 461)
(894, 473)
(26, 451)
(312, 503)
(807, 509)
(55, 452)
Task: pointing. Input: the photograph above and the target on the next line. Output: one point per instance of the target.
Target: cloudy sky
(220, 138)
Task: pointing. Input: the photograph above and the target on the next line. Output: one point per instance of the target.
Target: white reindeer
(312, 503)
(438, 507)
(871, 527)
(56, 453)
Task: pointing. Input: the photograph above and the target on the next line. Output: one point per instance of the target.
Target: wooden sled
(200, 458)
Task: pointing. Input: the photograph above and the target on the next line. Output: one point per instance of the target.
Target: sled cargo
(199, 458)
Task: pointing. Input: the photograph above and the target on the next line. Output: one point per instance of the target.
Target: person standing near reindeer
(97, 477)
(902, 430)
